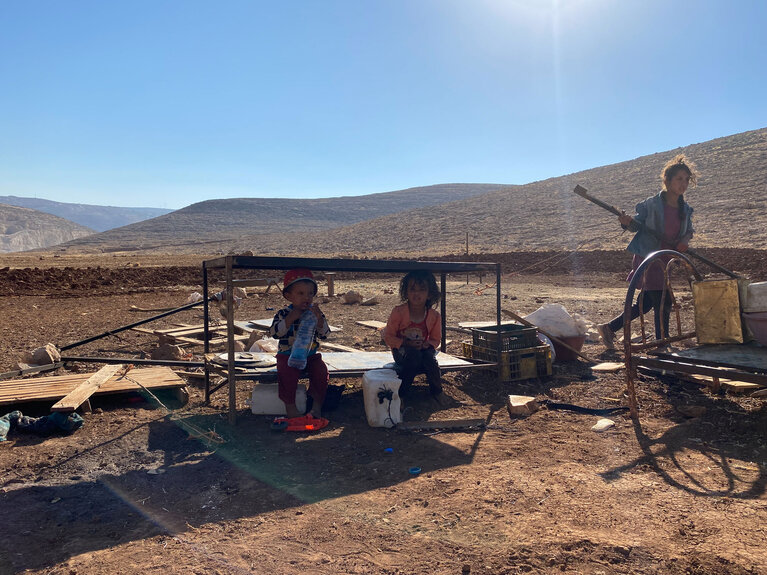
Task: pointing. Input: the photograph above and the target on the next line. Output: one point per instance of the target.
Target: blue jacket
(649, 213)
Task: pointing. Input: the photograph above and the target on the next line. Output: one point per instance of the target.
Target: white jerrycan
(380, 390)
(265, 400)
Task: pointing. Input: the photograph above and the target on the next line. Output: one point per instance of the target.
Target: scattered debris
(44, 426)
(261, 343)
(352, 297)
(195, 296)
(82, 392)
(370, 301)
(168, 351)
(602, 425)
(45, 355)
(372, 323)
(608, 366)
(521, 405)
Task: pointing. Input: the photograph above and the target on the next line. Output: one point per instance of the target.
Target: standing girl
(414, 332)
(663, 221)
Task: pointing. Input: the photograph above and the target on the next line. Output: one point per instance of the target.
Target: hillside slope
(212, 221)
(97, 218)
(730, 205)
(25, 229)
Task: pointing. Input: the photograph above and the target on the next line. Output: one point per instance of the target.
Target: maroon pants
(287, 378)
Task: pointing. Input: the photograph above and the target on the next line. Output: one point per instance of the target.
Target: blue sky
(166, 103)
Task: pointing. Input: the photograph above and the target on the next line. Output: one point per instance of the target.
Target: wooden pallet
(53, 388)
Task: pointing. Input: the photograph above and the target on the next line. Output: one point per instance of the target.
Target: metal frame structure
(230, 263)
(635, 352)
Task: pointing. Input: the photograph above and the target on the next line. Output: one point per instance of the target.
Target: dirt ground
(133, 492)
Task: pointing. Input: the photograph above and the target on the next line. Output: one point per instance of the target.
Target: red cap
(297, 275)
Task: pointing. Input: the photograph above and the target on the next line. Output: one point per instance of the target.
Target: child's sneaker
(607, 335)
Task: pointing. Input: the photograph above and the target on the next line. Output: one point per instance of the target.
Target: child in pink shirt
(414, 332)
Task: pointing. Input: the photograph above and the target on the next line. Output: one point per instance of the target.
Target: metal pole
(443, 307)
(205, 330)
(230, 342)
(499, 342)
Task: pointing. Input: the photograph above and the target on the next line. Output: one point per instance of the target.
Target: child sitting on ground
(414, 332)
(299, 288)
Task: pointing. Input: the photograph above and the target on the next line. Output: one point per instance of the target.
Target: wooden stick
(523, 321)
(582, 192)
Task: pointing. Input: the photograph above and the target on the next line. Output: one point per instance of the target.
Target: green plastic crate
(512, 336)
(515, 364)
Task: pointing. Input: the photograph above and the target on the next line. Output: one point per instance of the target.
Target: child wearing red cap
(299, 288)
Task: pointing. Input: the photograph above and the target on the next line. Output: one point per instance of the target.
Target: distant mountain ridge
(98, 218)
(24, 229)
(730, 205)
(212, 221)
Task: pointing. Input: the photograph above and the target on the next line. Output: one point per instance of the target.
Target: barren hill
(730, 205)
(25, 229)
(212, 222)
(97, 218)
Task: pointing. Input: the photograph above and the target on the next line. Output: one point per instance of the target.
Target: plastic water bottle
(303, 341)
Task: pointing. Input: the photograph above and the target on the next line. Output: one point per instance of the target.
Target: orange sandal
(304, 423)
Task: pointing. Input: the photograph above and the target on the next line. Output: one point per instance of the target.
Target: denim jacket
(649, 213)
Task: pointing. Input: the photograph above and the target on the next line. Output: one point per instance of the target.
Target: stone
(45, 355)
(352, 297)
(602, 425)
(521, 405)
(167, 351)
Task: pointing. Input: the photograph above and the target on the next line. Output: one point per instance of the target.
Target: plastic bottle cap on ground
(414, 470)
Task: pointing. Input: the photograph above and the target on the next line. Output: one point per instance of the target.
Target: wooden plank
(731, 385)
(136, 308)
(338, 347)
(190, 374)
(443, 424)
(608, 366)
(55, 387)
(365, 360)
(82, 392)
(29, 370)
(187, 330)
(268, 282)
(143, 330)
(265, 324)
(371, 323)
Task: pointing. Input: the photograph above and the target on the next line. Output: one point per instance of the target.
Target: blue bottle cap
(414, 470)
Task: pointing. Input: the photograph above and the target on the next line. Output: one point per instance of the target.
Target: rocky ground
(137, 489)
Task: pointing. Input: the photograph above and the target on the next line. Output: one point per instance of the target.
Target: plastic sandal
(279, 424)
(307, 423)
(304, 423)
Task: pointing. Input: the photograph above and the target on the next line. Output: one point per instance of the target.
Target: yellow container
(717, 311)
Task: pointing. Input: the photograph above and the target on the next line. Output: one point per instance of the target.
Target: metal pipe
(134, 360)
(130, 326)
